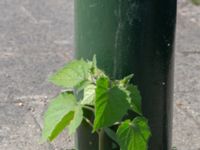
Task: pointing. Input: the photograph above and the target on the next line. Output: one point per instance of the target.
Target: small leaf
(97, 73)
(72, 75)
(78, 117)
(134, 135)
(58, 115)
(94, 64)
(111, 104)
(126, 80)
(135, 99)
(89, 95)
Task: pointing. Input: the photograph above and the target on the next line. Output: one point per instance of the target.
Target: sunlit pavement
(36, 39)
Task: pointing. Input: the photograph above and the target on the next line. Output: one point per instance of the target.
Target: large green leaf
(78, 117)
(72, 75)
(111, 104)
(89, 95)
(58, 116)
(134, 135)
(135, 99)
(82, 85)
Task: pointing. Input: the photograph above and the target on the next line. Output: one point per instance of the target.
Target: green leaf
(89, 95)
(78, 117)
(94, 64)
(135, 99)
(82, 85)
(111, 104)
(72, 75)
(134, 135)
(126, 80)
(96, 72)
(58, 115)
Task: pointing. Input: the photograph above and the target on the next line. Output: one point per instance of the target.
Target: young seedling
(108, 100)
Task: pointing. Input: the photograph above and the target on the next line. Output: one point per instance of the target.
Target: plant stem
(88, 121)
(88, 108)
(101, 139)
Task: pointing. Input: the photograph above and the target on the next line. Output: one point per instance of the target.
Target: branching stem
(88, 121)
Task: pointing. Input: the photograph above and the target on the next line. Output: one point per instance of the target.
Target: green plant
(196, 2)
(108, 101)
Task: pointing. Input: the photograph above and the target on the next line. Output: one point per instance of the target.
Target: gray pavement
(186, 129)
(36, 38)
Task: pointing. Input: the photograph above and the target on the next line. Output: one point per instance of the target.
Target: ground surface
(36, 39)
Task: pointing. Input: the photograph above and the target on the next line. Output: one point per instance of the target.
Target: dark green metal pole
(132, 36)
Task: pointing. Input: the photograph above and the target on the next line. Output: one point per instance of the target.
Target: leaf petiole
(88, 108)
(117, 123)
(88, 121)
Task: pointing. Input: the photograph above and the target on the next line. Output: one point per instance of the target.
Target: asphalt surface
(36, 38)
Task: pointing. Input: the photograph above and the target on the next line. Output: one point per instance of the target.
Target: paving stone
(36, 38)
(186, 127)
(187, 72)
(186, 131)
(18, 130)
